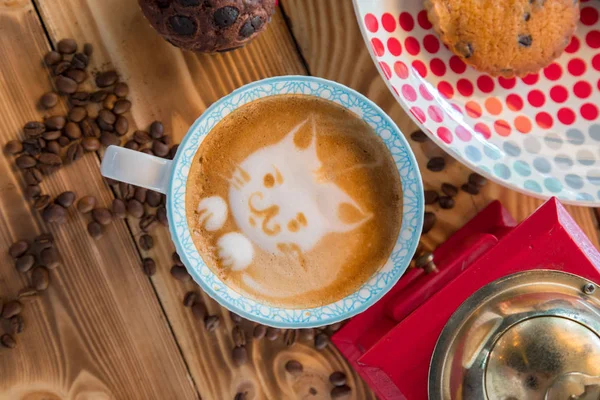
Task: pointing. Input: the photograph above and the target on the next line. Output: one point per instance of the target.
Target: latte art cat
(294, 201)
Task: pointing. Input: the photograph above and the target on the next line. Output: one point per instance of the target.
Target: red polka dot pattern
(553, 72)
(589, 111)
(437, 66)
(420, 67)
(444, 134)
(589, 16)
(576, 67)
(425, 92)
(445, 89)
(573, 45)
(401, 70)
(406, 22)
(457, 65)
(464, 87)
(514, 102)
(593, 39)
(582, 89)
(394, 46)
(388, 22)
(371, 23)
(536, 98)
(559, 94)
(377, 47)
(412, 46)
(544, 120)
(431, 44)
(485, 84)
(566, 116)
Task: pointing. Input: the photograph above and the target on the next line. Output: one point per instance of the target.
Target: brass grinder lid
(532, 335)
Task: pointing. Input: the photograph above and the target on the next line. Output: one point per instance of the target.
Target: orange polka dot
(523, 124)
(493, 106)
(473, 109)
(502, 127)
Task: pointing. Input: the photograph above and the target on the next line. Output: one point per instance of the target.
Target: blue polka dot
(533, 186)
(512, 149)
(595, 132)
(585, 197)
(585, 157)
(542, 165)
(553, 141)
(563, 161)
(553, 185)
(593, 177)
(575, 136)
(485, 169)
(473, 153)
(491, 151)
(522, 168)
(502, 171)
(574, 181)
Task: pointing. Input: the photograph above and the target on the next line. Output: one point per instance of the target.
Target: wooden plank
(99, 330)
(176, 87)
(329, 39)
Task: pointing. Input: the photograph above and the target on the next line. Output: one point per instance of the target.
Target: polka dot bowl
(539, 134)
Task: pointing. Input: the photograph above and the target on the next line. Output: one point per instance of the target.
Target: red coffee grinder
(501, 311)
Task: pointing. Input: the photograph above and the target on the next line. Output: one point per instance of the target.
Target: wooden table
(106, 331)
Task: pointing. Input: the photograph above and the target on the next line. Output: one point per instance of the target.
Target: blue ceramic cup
(170, 178)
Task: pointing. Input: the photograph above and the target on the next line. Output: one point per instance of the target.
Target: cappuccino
(294, 201)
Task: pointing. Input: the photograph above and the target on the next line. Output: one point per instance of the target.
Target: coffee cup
(171, 178)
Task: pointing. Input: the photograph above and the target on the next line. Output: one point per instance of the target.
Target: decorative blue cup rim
(372, 290)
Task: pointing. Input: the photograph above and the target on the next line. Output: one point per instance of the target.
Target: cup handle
(136, 168)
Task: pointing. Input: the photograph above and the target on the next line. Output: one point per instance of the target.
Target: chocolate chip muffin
(208, 25)
(507, 37)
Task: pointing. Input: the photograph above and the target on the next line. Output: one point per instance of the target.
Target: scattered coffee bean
(338, 378)
(142, 137)
(77, 114)
(34, 129)
(72, 131)
(102, 216)
(50, 159)
(95, 230)
(53, 147)
(99, 96)
(105, 79)
(25, 161)
(130, 144)
(259, 332)
(51, 135)
(67, 46)
(234, 317)
(8, 341)
(48, 169)
(52, 58)
(88, 49)
(86, 128)
(107, 116)
(109, 101)
(62, 67)
(341, 392)
(13, 147)
(17, 324)
(121, 106)
(294, 367)
(273, 333)
(436, 164)
(146, 242)
(238, 335)
(173, 152)
(32, 192)
(157, 130)
(40, 279)
(32, 147)
(477, 179)
(79, 98)
(19, 248)
(49, 258)
(149, 266)
(90, 144)
(199, 311)
(41, 202)
(25, 263)
(121, 89)
(148, 222)
(431, 197)
(321, 341)
(74, 152)
(449, 189)
(54, 214)
(65, 199)
(121, 125)
(166, 139)
(77, 74)
(140, 194)
(211, 323)
(86, 204)
(126, 190)
(49, 100)
(147, 151)
(109, 139)
(135, 208)
(27, 295)
(307, 333)
(160, 149)
(153, 198)
(11, 309)
(419, 136)
(161, 216)
(43, 241)
(176, 259)
(470, 188)
(80, 61)
(190, 298)
(429, 219)
(290, 337)
(180, 273)
(239, 355)
(65, 85)
(119, 210)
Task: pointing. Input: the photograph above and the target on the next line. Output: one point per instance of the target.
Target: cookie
(507, 37)
(208, 25)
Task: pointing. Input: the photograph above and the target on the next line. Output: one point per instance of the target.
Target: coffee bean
(449, 189)
(99, 96)
(55, 122)
(11, 309)
(130, 144)
(77, 114)
(25, 161)
(95, 230)
(80, 61)
(173, 152)
(126, 191)
(431, 197)
(79, 98)
(32, 147)
(121, 89)
(119, 210)
(49, 258)
(180, 273)
(239, 336)
(147, 223)
(49, 100)
(121, 106)
(166, 139)
(176, 259)
(41, 202)
(65, 199)
(102, 216)
(110, 101)
(109, 139)
(34, 129)
(65, 85)
(62, 142)
(199, 311)
(153, 198)
(273, 333)
(18, 248)
(135, 208)
(107, 117)
(234, 317)
(17, 324)
(74, 152)
(33, 176)
(40, 279)
(88, 49)
(428, 221)
(161, 216)
(338, 378)
(190, 298)
(55, 214)
(321, 341)
(470, 188)
(43, 241)
(146, 242)
(77, 74)
(211, 323)
(121, 125)
(32, 192)
(307, 333)
(149, 266)
(240, 396)
(239, 355)
(290, 337)
(61, 67)
(160, 149)
(147, 151)
(341, 392)
(8, 341)
(142, 137)
(53, 147)
(48, 169)
(72, 131)
(90, 144)
(140, 194)
(436, 164)
(294, 367)
(52, 58)
(27, 295)
(419, 136)
(477, 179)
(182, 25)
(157, 130)
(86, 128)
(86, 204)
(25, 263)
(259, 332)
(225, 16)
(67, 46)
(51, 135)
(13, 147)
(106, 79)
